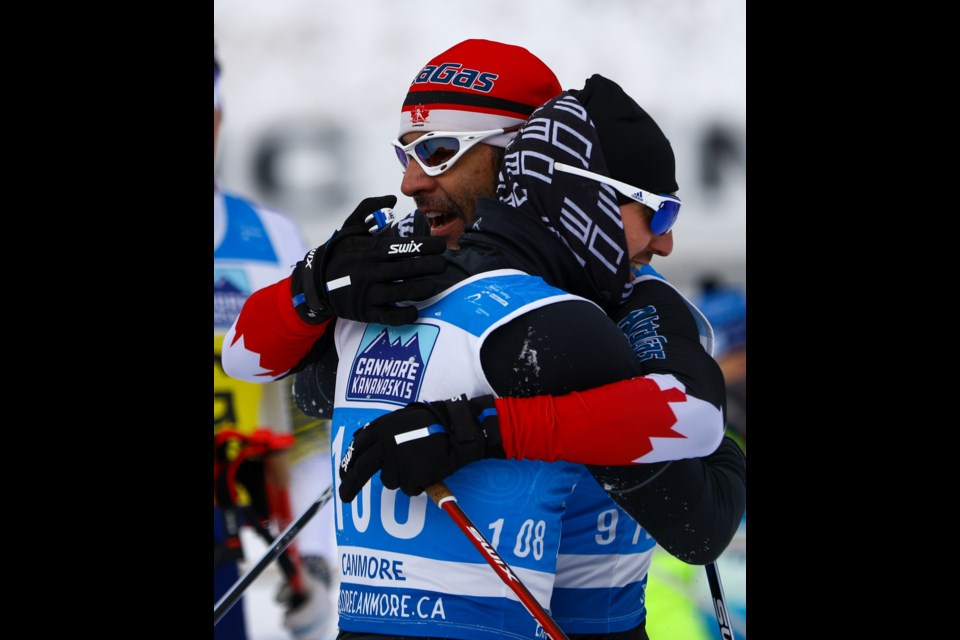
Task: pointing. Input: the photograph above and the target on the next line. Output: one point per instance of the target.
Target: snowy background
(313, 89)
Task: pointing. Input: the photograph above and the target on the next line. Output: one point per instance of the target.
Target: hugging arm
(609, 425)
(353, 275)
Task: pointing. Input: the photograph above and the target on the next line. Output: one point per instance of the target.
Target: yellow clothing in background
(671, 600)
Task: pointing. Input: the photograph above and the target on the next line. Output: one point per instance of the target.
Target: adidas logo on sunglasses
(408, 247)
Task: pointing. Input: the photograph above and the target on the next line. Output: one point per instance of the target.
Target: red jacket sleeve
(268, 338)
(641, 420)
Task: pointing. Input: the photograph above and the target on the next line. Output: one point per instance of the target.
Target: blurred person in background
(673, 600)
(725, 306)
(253, 447)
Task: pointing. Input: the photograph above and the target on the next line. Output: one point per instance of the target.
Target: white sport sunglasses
(437, 151)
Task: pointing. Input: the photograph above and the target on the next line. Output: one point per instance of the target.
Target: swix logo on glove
(309, 259)
(406, 247)
(347, 457)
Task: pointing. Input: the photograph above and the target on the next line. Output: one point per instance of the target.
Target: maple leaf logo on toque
(419, 114)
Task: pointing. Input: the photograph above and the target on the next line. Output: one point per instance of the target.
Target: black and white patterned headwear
(584, 213)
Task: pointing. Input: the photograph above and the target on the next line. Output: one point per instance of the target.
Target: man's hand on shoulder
(366, 278)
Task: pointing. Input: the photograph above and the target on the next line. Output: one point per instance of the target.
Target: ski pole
(441, 494)
(282, 542)
(719, 601)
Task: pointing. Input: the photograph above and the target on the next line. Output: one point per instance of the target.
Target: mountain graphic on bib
(389, 370)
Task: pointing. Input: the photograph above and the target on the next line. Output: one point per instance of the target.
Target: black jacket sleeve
(315, 384)
(563, 347)
(691, 507)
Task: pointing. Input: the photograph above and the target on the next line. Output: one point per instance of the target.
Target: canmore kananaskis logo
(390, 363)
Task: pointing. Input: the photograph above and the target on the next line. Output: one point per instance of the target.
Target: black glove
(437, 438)
(369, 274)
